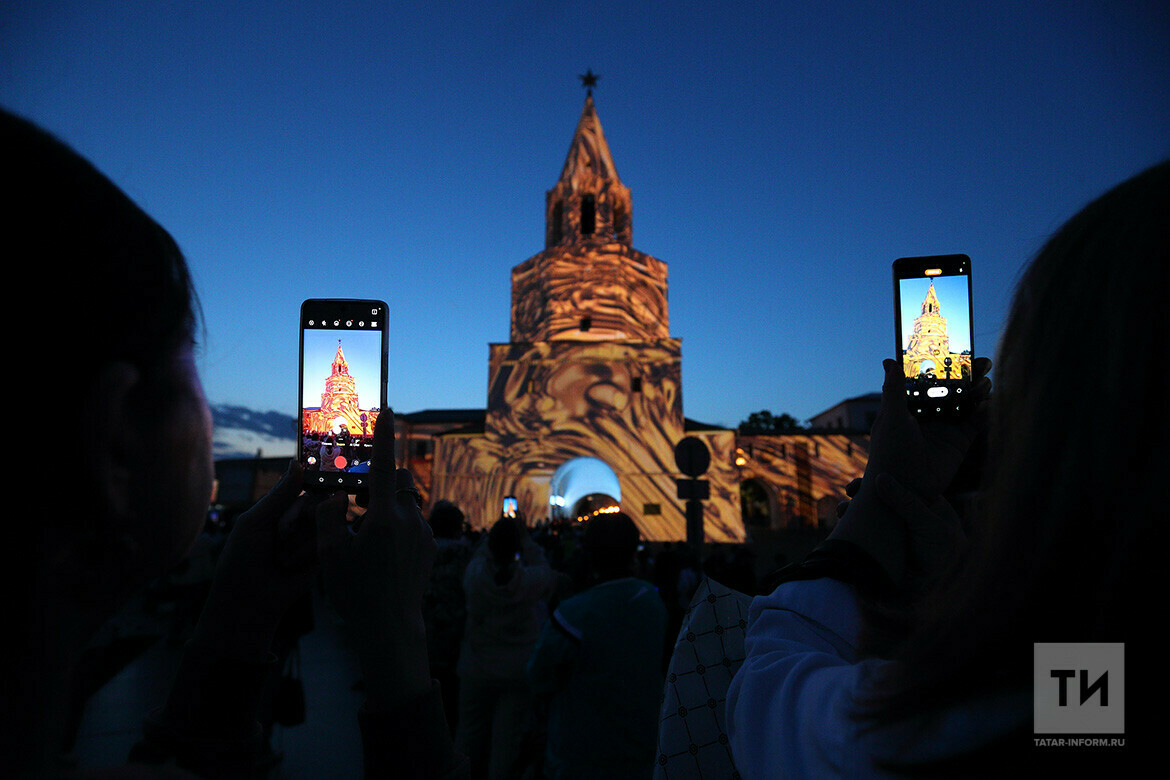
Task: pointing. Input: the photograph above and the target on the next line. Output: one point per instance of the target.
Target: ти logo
(1079, 688)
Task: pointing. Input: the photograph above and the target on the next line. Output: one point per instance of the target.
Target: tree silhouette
(766, 422)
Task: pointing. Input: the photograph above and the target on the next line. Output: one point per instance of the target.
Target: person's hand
(850, 491)
(922, 457)
(923, 454)
(935, 537)
(376, 574)
(267, 564)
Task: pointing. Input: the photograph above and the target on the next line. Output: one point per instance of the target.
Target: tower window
(588, 215)
(586, 323)
(636, 384)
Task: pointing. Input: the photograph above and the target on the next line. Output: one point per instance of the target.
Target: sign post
(693, 457)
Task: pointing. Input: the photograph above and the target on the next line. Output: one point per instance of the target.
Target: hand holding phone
(377, 574)
(922, 454)
(343, 371)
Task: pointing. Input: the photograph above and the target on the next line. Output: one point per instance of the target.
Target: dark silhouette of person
(912, 642)
(445, 605)
(600, 663)
(138, 493)
(508, 584)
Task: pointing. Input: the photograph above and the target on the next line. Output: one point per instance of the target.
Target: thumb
(894, 406)
(277, 500)
(893, 383)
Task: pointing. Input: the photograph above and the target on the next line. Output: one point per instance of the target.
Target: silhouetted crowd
(492, 595)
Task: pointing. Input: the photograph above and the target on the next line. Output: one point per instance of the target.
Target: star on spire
(589, 81)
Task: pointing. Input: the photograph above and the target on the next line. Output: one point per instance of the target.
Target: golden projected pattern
(589, 203)
(590, 293)
(803, 475)
(929, 348)
(617, 401)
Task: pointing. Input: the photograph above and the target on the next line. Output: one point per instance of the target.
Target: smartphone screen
(932, 303)
(511, 506)
(343, 368)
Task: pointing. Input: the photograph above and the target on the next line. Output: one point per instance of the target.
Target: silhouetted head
(446, 520)
(124, 385)
(611, 545)
(119, 276)
(504, 540)
(1079, 426)
(131, 493)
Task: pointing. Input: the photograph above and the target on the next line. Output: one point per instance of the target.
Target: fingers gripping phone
(343, 370)
(934, 323)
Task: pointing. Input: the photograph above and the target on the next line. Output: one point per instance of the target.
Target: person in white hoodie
(913, 643)
(507, 584)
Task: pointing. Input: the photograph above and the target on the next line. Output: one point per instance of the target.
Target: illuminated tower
(339, 403)
(930, 345)
(590, 372)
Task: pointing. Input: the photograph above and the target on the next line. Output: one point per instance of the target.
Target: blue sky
(780, 157)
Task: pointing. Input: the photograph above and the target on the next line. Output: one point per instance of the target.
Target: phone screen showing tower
(342, 370)
(935, 339)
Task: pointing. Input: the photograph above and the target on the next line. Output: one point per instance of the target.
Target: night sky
(780, 157)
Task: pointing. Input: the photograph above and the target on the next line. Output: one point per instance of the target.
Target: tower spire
(340, 366)
(930, 303)
(589, 203)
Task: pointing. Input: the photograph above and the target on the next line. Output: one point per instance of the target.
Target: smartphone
(934, 323)
(511, 506)
(343, 368)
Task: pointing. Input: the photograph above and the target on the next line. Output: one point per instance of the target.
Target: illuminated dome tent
(582, 487)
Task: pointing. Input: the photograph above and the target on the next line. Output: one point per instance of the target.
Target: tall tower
(590, 372)
(339, 403)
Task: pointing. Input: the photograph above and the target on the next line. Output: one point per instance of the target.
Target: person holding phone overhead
(139, 483)
(907, 645)
(508, 584)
